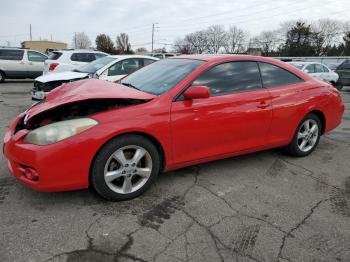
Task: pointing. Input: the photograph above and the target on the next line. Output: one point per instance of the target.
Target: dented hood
(85, 90)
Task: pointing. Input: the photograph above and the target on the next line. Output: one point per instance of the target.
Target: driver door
(236, 116)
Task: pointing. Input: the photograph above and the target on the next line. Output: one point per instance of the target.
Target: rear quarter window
(276, 76)
(11, 54)
(83, 57)
(55, 55)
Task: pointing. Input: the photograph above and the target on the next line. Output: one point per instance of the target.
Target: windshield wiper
(130, 85)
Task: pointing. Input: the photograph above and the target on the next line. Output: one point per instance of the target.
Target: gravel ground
(259, 207)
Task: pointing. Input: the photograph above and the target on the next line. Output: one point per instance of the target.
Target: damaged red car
(116, 138)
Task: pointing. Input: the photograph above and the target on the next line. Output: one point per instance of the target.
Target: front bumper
(61, 166)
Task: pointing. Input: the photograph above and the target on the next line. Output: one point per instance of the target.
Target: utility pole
(75, 40)
(30, 31)
(153, 27)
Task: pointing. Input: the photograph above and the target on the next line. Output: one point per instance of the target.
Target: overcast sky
(60, 19)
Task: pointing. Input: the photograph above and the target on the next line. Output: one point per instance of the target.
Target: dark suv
(343, 70)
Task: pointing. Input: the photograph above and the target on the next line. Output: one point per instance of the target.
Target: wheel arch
(140, 133)
(322, 118)
(2, 71)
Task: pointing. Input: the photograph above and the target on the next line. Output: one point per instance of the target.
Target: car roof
(303, 63)
(133, 56)
(221, 57)
(78, 51)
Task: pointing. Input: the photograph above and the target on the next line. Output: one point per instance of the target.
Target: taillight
(52, 66)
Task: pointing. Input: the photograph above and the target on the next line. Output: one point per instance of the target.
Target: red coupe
(173, 113)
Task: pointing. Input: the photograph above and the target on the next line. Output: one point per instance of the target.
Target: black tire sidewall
(293, 147)
(2, 78)
(98, 165)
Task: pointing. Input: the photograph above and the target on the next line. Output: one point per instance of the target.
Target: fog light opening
(30, 174)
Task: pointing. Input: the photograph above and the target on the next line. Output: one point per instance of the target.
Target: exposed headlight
(58, 131)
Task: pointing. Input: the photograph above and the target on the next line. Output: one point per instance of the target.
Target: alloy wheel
(128, 169)
(307, 135)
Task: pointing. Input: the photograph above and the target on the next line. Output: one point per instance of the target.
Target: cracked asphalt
(260, 207)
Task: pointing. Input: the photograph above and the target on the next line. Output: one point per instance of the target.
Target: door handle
(263, 105)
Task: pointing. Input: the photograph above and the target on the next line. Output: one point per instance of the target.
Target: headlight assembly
(58, 131)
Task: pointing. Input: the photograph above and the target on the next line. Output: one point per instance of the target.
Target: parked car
(173, 113)
(319, 71)
(162, 55)
(109, 68)
(69, 59)
(19, 63)
(333, 66)
(343, 70)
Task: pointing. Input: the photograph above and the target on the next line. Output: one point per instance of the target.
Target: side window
(125, 67)
(276, 76)
(99, 55)
(36, 57)
(147, 61)
(231, 77)
(325, 69)
(319, 68)
(83, 57)
(345, 65)
(160, 56)
(16, 55)
(311, 69)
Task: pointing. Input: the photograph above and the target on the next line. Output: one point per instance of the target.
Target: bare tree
(198, 41)
(235, 38)
(268, 41)
(327, 32)
(215, 38)
(123, 43)
(182, 46)
(81, 41)
(141, 50)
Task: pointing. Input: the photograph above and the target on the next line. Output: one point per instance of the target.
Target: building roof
(42, 41)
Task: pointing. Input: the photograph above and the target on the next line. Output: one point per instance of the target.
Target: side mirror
(195, 92)
(306, 71)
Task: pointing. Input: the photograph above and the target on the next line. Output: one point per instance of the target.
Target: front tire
(306, 136)
(125, 167)
(2, 77)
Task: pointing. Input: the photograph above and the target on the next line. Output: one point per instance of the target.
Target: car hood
(86, 89)
(63, 76)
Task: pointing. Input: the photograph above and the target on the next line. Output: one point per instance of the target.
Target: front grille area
(47, 87)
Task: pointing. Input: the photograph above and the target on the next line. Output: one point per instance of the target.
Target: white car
(317, 70)
(19, 63)
(109, 68)
(67, 60)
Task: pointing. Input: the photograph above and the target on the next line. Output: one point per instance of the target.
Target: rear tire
(2, 77)
(338, 85)
(306, 136)
(125, 167)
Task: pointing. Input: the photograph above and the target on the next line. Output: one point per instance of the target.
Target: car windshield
(299, 66)
(344, 66)
(161, 76)
(92, 67)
